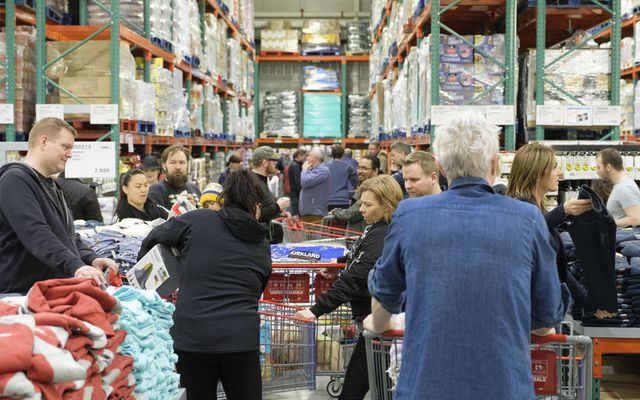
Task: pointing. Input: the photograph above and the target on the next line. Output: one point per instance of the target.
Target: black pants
(238, 372)
(356, 380)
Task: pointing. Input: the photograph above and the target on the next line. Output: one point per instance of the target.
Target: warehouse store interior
(266, 199)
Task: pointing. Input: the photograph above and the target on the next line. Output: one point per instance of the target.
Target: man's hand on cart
(330, 273)
(305, 314)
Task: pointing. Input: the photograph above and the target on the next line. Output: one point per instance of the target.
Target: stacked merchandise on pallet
(320, 79)
(400, 104)
(25, 78)
(210, 51)
(359, 115)
(246, 18)
(137, 101)
(456, 70)
(626, 105)
(281, 114)
(234, 124)
(627, 58)
(195, 112)
(322, 115)
(182, 122)
(86, 73)
(195, 41)
(212, 114)
(358, 40)
(488, 73)
(234, 60)
(585, 74)
(321, 37)
(248, 126)
(221, 63)
(279, 38)
(165, 97)
(246, 75)
(160, 17)
(59, 6)
(181, 38)
(636, 108)
(147, 319)
(64, 342)
(131, 12)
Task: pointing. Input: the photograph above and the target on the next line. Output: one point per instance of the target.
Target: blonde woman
(379, 198)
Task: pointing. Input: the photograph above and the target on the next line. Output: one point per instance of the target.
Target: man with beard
(175, 163)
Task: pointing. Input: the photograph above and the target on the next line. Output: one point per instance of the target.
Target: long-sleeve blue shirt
(477, 273)
(316, 186)
(343, 180)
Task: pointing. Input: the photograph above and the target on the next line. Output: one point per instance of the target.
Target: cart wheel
(334, 387)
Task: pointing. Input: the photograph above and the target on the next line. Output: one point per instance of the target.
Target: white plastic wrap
(130, 10)
(127, 98)
(195, 48)
(165, 92)
(626, 104)
(246, 18)
(182, 28)
(234, 60)
(636, 108)
(195, 112)
(627, 45)
(210, 59)
(144, 105)
(212, 112)
(160, 17)
(222, 49)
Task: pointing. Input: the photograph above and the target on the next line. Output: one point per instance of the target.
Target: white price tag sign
(578, 116)
(550, 115)
(606, 115)
(500, 115)
(441, 115)
(104, 114)
(92, 160)
(49, 110)
(6, 114)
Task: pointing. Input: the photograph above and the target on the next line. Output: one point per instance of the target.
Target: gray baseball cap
(263, 153)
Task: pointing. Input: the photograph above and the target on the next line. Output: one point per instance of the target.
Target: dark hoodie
(37, 238)
(225, 264)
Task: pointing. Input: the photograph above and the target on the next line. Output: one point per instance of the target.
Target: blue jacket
(343, 180)
(316, 186)
(476, 273)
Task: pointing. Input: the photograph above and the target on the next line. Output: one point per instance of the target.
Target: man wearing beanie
(210, 195)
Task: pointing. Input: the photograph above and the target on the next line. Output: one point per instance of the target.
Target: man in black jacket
(175, 163)
(82, 199)
(37, 237)
(294, 172)
(264, 161)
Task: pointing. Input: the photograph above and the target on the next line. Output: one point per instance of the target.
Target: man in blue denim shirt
(476, 274)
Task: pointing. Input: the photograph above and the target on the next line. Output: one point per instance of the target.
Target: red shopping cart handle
(549, 339)
(394, 333)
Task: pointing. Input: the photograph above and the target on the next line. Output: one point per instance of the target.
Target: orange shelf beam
(602, 346)
(152, 140)
(299, 58)
(301, 141)
(383, 22)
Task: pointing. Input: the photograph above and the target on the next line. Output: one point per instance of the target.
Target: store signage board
(441, 115)
(550, 115)
(104, 114)
(6, 114)
(578, 116)
(500, 115)
(49, 110)
(606, 115)
(92, 160)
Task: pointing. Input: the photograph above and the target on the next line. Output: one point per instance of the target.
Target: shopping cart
(561, 365)
(287, 350)
(297, 231)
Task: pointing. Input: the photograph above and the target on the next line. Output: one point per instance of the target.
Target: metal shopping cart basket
(561, 365)
(287, 350)
(297, 231)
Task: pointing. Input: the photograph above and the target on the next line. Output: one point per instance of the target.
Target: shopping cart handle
(397, 333)
(549, 339)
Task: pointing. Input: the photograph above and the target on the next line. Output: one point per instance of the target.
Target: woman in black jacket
(379, 198)
(225, 265)
(534, 173)
(134, 198)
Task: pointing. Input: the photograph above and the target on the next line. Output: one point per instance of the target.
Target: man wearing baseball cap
(263, 164)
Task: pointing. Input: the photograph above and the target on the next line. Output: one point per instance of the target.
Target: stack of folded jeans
(628, 291)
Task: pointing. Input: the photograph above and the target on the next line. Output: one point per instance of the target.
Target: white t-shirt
(625, 194)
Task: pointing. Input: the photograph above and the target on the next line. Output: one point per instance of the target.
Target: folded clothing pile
(59, 342)
(147, 319)
(120, 242)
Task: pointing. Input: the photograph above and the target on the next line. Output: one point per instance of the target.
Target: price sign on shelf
(606, 115)
(6, 114)
(104, 114)
(49, 110)
(92, 160)
(550, 115)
